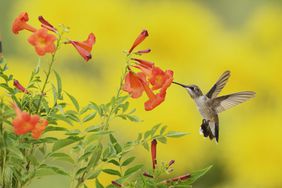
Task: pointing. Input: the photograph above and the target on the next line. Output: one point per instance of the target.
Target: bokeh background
(198, 40)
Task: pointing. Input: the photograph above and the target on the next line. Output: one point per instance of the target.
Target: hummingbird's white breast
(204, 108)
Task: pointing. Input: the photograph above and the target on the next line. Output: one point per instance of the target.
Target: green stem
(107, 120)
(49, 72)
(4, 152)
(120, 167)
(41, 98)
(106, 125)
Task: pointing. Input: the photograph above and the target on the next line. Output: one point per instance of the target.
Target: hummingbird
(210, 105)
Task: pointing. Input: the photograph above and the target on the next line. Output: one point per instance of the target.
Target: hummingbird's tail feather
(204, 129)
(210, 129)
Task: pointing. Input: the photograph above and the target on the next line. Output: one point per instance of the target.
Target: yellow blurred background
(198, 40)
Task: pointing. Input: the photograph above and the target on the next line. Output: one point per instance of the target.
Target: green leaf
(93, 175)
(74, 101)
(115, 143)
(197, 174)
(62, 143)
(139, 137)
(84, 156)
(132, 170)
(96, 107)
(54, 91)
(125, 106)
(73, 117)
(59, 85)
(106, 153)
(98, 184)
(84, 109)
(63, 157)
(147, 134)
(7, 88)
(133, 118)
(146, 146)
(52, 128)
(43, 148)
(163, 129)
(114, 162)
(89, 117)
(96, 155)
(80, 171)
(62, 118)
(155, 128)
(128, 161)
(175, 134)
(73, 132)
(53, 169)
(162, 139)
(112, 172)
(95, 135)
(121, 99)
(122, 180)
(48, 140)
(15, 152)
(93, 128)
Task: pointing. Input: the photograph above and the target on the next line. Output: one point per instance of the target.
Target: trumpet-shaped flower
(154, 153)
(45, 24)
(153, 80)
(139, 39)
(84, 48)
(133, 84)
(143, 63)
(151, 76)
(160, 78)
(20, 87)
(154, 99)
(20, 23)
(42, 41)
(24, 123)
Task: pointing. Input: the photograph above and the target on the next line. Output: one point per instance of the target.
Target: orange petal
(84, 48)
(139, 39)
(20, 23)
(133, 84)
(43, 42)
(154, 102)
(39, 128)
(46, 24)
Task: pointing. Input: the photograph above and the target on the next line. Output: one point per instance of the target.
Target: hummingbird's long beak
(180, 84)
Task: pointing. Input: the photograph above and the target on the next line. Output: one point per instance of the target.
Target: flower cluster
(44, 42)
(151, 79)
(25, 123)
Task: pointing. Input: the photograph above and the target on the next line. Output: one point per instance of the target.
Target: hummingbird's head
(193, 90)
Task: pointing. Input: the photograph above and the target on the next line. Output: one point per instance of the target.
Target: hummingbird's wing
(219, 85)
(225, 102)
